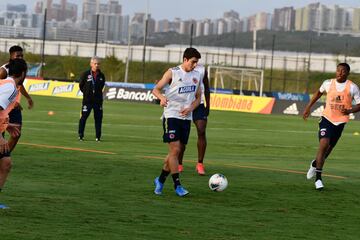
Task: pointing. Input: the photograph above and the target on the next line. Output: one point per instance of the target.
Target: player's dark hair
(345, 65)
(15, 48)
(191, 52)
(16, 67)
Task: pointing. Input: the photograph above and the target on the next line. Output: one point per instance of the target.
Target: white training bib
(181, 92)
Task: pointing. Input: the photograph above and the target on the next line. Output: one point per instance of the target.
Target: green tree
(111, 68)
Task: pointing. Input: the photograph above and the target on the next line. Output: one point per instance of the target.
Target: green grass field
(60, 190)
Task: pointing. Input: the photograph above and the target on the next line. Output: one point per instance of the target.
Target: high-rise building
(162, 26)
(283, 19)
(114, 7)
(306, 19)
(208, 27)
(16, 8)
(262, 21)
(356, 20)
(89, 9)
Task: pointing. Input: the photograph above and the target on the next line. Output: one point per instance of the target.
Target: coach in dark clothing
(91, 85)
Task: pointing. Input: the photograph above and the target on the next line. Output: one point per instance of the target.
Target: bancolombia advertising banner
(129, 94)
(241, 103)
(53, 88)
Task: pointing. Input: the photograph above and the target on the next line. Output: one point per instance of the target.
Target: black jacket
(92, 95)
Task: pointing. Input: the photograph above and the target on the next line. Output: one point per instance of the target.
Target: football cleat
(180, 191)
(200, 169)
(3, 206)
(319, 184)
(158, 186)
(312, 171)
(97, 139)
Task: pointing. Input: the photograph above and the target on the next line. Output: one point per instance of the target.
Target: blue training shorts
(176, 129)
(329, 130)
(15, 116)
(199, 113)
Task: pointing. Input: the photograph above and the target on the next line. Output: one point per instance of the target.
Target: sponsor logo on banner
(111, 94)
(39, 87)
(241, 103)
(291, 96)
(52, 88)
(292, 109)
(140, 95)
(79, 93)
(63, 89)
(318, 111)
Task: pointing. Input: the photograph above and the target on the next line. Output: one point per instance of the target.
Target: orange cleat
(200, 168)
(180, 168)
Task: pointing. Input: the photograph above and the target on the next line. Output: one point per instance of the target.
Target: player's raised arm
(313, 100)
(166, 79)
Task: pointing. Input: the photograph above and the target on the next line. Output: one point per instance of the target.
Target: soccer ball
(218, 182)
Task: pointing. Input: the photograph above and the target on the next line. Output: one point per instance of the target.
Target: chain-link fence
(284, 71)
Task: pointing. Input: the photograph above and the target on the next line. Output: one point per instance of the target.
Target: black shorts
(329, 130)
(7, 154)
(176, 129)
(199, 113)
(15, 116)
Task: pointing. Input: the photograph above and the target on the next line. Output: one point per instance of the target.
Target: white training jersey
(181, 92)
(201, 69)
(8, 93)
(354, 89)
(6, 69)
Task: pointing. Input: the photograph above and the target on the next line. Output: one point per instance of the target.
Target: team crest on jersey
(195, 80)
(322, 132)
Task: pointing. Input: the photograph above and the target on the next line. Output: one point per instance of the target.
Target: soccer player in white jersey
(340, 92)
(182, 96)
(8, 93)
(200, 115)
(15, 116)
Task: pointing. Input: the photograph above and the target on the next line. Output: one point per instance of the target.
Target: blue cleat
(158, 186)
(2, 206)
(180, 191)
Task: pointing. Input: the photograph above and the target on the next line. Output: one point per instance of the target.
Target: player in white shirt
(8, 93)
(200, 115)
(181, 97)
(341, 93)
(15, 116)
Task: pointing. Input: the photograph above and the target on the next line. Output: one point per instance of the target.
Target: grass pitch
(61, 188)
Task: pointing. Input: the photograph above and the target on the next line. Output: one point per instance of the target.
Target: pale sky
(200, 9)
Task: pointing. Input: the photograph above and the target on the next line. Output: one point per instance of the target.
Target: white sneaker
(319, 185)
(311, 172)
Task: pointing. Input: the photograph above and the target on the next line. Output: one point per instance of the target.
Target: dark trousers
(98, 115)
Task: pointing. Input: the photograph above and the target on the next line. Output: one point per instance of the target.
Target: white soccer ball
(218, 182)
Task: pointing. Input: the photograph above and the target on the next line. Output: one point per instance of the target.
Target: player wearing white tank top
(8, 93)
(179, 101)
(15, 116)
